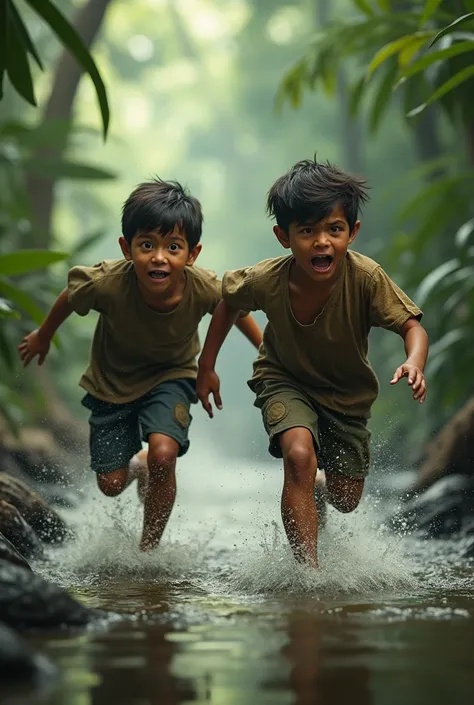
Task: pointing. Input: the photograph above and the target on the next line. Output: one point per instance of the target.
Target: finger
(217, 399)
(423, 397)
(27, 359)
(421, 392)
(206, 404)
(41, 358)
(397, 375)
(416, 386)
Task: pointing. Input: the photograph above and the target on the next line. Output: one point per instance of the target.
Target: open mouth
(158, 275)
(322, 263)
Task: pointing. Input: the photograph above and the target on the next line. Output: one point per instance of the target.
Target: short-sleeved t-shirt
(135, 348)
(328, 358)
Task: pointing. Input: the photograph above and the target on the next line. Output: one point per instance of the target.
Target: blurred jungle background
(225, 95)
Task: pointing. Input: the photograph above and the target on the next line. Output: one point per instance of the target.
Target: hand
(32, 345)
(416, 380)
(208, 383)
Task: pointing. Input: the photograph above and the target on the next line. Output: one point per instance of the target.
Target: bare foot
(138, 468)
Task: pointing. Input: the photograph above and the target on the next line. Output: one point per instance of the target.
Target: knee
(345, 505)
(162, 456)
(112, 484)
(300, 462)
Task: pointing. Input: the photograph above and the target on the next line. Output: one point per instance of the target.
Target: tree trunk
(59, 107)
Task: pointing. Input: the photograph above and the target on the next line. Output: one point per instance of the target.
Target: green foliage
(17, 44)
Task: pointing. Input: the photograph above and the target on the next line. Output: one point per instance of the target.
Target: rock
(34, 451)
(9, 554)
(44, 520)
(445, 509)
(17, 661)
(18, 531)
(27, 600)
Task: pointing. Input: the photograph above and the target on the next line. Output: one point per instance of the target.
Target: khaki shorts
(342, 443)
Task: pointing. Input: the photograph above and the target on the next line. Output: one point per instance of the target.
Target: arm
(207, 380)
(250, 328)
(416, 348)
(38, 342)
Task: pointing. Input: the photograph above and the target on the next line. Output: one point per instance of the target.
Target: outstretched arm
(207, 380)
(416, 348)
(38, 342)
(250, 328)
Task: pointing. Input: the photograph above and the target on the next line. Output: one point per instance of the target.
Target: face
(319, 247)
(159, 260)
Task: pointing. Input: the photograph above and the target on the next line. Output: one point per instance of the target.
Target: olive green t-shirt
(136, 348)
(328, 358)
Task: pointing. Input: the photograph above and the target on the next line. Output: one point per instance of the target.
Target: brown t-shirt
(328, 358)
(134, 347)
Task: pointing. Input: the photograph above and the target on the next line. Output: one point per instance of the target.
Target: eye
(335, 229)
(174, 247)
(306, 231)
(147, 245)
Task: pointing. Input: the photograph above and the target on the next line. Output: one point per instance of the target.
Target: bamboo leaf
(441, 54)
(407, 54)
(24, 35)
(16, 63)
(15, 263)
(430, 8)
(22, 299)
(387, 51)
(464, 233)
(62, 169)
(383, 96)
(434, 278)
(455, 81)
(454, 25)
(6, 311)
(70, 38)
(365, 7)
(384, 5)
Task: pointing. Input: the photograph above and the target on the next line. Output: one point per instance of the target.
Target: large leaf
(441, 54)
(63, 169)
(16, 62)
(14, 263)
(430, 8)
(455, 81)
(365, 7)
(387, 51)
(69, 37)
(464, 233)
(22, 299)
(383, 95)
(384, 5)
(434, 278)
(24, 34)
(6, 311)
(454, 25)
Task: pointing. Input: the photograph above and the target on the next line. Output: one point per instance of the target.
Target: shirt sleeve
(238, 290)
(215, 293)
(83, 288)
(391, 308)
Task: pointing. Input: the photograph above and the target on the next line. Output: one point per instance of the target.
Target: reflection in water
(221, 614)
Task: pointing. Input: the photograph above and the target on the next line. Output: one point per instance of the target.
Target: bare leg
(161, 492)
(344, 493)
(114, 483)
(298, 507)
(138, 468)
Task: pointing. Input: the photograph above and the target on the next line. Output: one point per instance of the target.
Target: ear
(354, 232)
(125, 247)
(193, 255)
(282, 236)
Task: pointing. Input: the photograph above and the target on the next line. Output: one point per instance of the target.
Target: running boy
(312, 379)
(141, 378)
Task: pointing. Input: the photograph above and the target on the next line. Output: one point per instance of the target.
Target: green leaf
(24, 35)
(455, 81)
(441, 54)
(356, 95)
(407, 54)
(365, 7)
(62, 169)
(6, 311)
(16, 63)
(6, 351)
(70, 38)
(384, 5)
(430, 8)
(291, 87)
(22, 299)
(383, 95)
(433, 279)
(3, 42)
(14, 263)
(454, 25)
(464, 233)
(389, 50)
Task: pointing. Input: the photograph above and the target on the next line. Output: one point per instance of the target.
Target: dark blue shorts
(117, 430)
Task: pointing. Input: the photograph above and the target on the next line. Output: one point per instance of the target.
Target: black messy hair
(162, 205)
(309, 191)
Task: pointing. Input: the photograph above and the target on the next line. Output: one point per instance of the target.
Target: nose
(321, 240)
(159, 255)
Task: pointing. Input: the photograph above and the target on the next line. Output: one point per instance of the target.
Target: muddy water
(220, 614)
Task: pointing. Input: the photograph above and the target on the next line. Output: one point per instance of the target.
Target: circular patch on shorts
(181, 415)
(276, 412)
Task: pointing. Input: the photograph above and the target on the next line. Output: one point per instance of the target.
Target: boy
(312, 379)
(142, 370)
